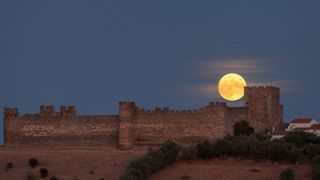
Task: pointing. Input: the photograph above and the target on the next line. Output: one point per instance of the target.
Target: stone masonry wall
(263, 106)
(54, 130)
(135, 125)
(160, 124)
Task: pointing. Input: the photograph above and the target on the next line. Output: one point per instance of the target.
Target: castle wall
(235, 114)
(60, 131)
(135, 125)
(157, 125)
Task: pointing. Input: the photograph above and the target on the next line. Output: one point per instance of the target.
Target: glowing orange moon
(231, 87)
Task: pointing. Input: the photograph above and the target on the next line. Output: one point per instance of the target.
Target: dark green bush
(8, 166)
(152, 162)
(30, 176)
(316, 173)
(132, 174)
(33, 162)
(259, 149)
(239, 146)
(53, 178)
(301, 138)
(312, 150)
(316, 160)
(43, 172)
(263, 137)
(278, 151)
(294, 155)
(170, 151)
(242, 128)
(224, 147)
(188, 153)
(287, 174)
(205, 150)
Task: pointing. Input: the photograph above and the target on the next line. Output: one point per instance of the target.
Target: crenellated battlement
(50, 111)
(10, 112)
(261, 88)
(167, 110)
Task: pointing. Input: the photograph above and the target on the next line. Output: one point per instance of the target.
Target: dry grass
(109, 163)
(230, 169)
(69, 163)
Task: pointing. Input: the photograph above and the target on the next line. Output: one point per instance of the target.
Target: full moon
(231, 87)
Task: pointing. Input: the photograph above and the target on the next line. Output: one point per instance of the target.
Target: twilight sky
(92, 54)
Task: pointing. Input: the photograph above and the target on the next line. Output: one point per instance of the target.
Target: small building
(315, 129)
(280, 131)
(308, 125)
(301, 123)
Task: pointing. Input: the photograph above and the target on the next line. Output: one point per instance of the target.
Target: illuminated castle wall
(134, 125)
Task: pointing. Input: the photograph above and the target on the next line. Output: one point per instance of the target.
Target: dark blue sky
(92, 54)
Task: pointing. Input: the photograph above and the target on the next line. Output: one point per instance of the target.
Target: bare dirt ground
(69, 164)
(231, 169)
(109, 163)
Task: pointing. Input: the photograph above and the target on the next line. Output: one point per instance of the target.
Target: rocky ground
(93, 163)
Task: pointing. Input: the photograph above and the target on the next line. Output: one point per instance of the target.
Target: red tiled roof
(302, 121)
(280, 129)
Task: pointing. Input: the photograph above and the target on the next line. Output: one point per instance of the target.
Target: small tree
(205, 150)
(287, 174)
(33, 162)
(242, 128)
(43, 172)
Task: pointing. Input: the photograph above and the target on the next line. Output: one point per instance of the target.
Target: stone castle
(134, 125)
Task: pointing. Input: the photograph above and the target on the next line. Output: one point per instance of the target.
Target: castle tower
(126, 113)
(9, 114)
(263, 107)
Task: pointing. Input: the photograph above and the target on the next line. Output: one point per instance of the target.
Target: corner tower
(263, 107)
(126, 114)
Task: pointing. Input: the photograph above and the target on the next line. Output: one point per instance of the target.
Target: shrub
(259, 149)
(294, 155)
(30, 176)
(301, 138)
(132, 174)
(223, 147)
(53, 178)
(278, 151)
(316, 173)
(263, 137)
(33, 162)
(239, 146)
(8, 166)
(170, 151)
(287, 174)
(43, 172)
(312, 150)
(188, 153)
(242, 128)
(316, 160)
(205, 150)
(146, 165)
(152, 161)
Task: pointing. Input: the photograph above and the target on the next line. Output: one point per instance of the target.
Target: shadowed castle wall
(53, 129)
